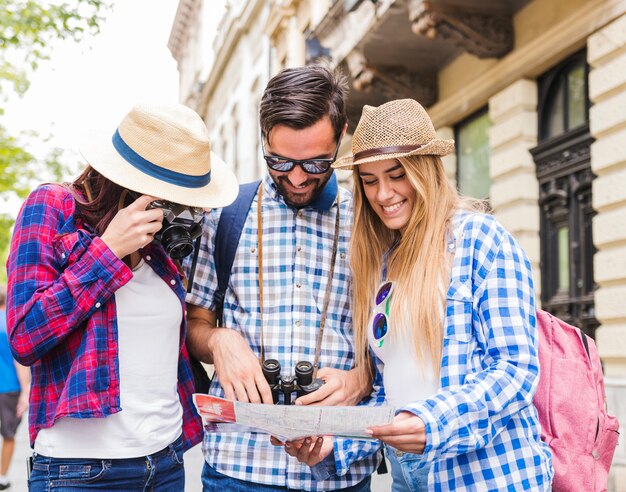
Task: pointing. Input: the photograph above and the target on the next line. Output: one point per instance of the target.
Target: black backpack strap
(227, 235)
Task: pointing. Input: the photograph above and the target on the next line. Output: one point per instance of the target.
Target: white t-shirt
(149, 315)
(405, 379)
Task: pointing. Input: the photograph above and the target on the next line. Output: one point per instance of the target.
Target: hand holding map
(288, 422)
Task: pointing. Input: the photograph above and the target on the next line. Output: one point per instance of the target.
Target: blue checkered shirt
(482, 429)
(297, 248)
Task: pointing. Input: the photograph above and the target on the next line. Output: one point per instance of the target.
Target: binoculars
(301, 384)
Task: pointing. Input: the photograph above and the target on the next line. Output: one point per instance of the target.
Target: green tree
(29, 31)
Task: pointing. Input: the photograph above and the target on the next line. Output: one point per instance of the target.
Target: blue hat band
(158, 172)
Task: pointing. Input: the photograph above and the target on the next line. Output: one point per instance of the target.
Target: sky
(95, 83)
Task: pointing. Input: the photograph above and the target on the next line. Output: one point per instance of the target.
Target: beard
(300, 200)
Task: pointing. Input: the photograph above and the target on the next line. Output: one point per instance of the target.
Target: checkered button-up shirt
(482, 429)
(61, 314)
(297, 249)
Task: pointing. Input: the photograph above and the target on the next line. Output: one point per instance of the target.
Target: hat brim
(439, 147)
(220, 192)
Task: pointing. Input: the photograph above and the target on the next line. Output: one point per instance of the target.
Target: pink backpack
(571, 404)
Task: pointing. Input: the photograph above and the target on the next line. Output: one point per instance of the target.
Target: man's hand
(238, 369)
(340, 388)
(407, 433)
(23, 375)
(22, 405)
(310, 450)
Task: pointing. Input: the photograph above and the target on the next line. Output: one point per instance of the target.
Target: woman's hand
(310, 450)
(133, 227)
(406, 433)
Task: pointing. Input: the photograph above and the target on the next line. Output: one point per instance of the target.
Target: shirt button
(299, 213)
(343, 256)
(298, 323)
(63, 255)
(98, 305)
(173, 282)
(297, 286)
(252, 250)
(299, 248)
(148, 257)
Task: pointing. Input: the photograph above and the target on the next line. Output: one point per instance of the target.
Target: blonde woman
(443, 301)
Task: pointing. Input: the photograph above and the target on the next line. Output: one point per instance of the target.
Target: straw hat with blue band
(399, 128)
(163, 151)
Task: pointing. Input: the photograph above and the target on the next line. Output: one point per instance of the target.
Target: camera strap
(194, 262)
(331, 273)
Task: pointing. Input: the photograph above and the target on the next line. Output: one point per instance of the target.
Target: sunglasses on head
(311, 166)
(380, 320)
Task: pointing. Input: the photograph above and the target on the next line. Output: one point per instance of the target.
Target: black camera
(181, 226)
(301, 384)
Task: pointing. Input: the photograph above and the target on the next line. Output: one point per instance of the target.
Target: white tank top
(148, 320)
(405, 379)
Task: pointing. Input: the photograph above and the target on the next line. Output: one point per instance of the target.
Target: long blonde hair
(419, 265)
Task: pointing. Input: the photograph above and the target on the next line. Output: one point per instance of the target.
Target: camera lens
(271, 370)
(304, 373)
(177, 242)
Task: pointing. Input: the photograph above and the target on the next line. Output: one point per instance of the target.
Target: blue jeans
(214, 481)
(404, 473)
(161, 471)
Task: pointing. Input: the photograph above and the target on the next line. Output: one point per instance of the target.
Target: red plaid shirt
(61, 314)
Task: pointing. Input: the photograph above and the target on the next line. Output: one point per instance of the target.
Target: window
(564, 173)
(472, 143)
(565, 105)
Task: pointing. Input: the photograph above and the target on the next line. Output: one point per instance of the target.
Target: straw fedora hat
(399, 128)
(163, 151)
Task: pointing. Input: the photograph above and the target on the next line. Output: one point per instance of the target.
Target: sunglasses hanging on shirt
(380, 320)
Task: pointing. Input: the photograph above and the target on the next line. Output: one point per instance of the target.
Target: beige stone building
(533, 91)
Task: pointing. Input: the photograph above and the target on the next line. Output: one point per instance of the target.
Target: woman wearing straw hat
(443, 300)
(96, 304)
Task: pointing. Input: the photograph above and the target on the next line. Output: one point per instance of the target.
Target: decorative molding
(185, 15)
(278, 19)
(392, 82)
(565, 37)
(331, 21)
(563, 161)
(563, 155)
(486, 35)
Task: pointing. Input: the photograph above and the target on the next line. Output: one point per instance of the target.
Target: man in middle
(288, 296)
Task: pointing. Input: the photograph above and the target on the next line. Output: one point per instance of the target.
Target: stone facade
(514, 190)
(606, 53)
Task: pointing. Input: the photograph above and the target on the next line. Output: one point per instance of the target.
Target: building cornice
(280, 12)
(530, 60)
(180, 27)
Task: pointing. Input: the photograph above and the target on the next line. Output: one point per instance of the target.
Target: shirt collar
(322, 203)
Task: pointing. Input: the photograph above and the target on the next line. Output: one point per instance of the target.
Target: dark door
(562, 161)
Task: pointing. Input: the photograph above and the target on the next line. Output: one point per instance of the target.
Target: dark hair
(3, 295)
(300, 97)
(97, 198)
